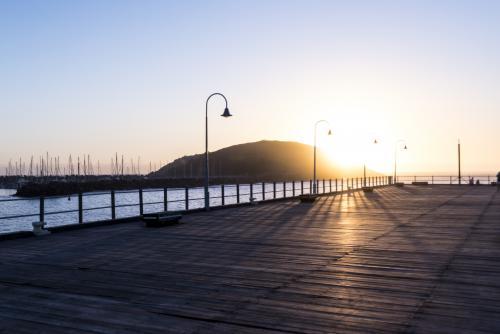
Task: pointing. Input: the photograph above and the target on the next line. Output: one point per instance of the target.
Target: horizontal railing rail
(111, 205)
(168, 199)
(448, 179)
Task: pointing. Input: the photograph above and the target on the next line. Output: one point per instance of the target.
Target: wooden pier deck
(413, 259)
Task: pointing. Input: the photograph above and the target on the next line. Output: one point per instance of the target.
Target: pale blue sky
(131, 77)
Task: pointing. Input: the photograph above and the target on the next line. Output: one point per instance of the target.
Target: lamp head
(226, 113)
(330, 132)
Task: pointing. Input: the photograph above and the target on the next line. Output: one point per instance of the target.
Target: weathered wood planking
(411, 259)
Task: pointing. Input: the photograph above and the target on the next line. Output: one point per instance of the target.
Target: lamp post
(315, 131)
(226, 113)
(396, 156)
(364, 168)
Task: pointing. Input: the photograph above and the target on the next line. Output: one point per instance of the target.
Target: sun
(353, 152)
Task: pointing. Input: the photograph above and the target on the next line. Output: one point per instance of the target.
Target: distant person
(477, 182)
(498, 178)
(471, 181)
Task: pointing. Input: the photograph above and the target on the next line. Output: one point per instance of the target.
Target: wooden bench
(420, 183)
(308, 198)
(160, 219)
(367, 189)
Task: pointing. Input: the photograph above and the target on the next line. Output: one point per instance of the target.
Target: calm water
(96, 205)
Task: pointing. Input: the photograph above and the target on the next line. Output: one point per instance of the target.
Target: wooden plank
(418, 259)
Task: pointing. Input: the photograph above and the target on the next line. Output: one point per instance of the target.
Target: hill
(259, 161)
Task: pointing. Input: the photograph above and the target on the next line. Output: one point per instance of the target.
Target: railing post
(302, 187)
(165, 199)
(336, 185)
(274, 189)
(251, 192)
(330, 187)
(42, 209)
(310, 186)
(263, 191)
(342, 184)
(450, 180)
(323, 186)
(186, 198)
(284, 189)
(113, 208)
(141, 202)
(293, 188)
(80, 208)
(237, 193)
(222, 194)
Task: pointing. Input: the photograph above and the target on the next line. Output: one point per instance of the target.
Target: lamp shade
(226, 113)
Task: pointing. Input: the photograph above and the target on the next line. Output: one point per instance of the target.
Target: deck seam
(441, 275)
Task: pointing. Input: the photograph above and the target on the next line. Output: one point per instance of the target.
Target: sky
(99, 77)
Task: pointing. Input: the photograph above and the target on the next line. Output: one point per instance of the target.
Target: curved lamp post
(315, 131)
(226, 113)
(364, 167)
(401, 141)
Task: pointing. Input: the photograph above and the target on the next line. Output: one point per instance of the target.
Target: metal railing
(447, 179)
(167, 199)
